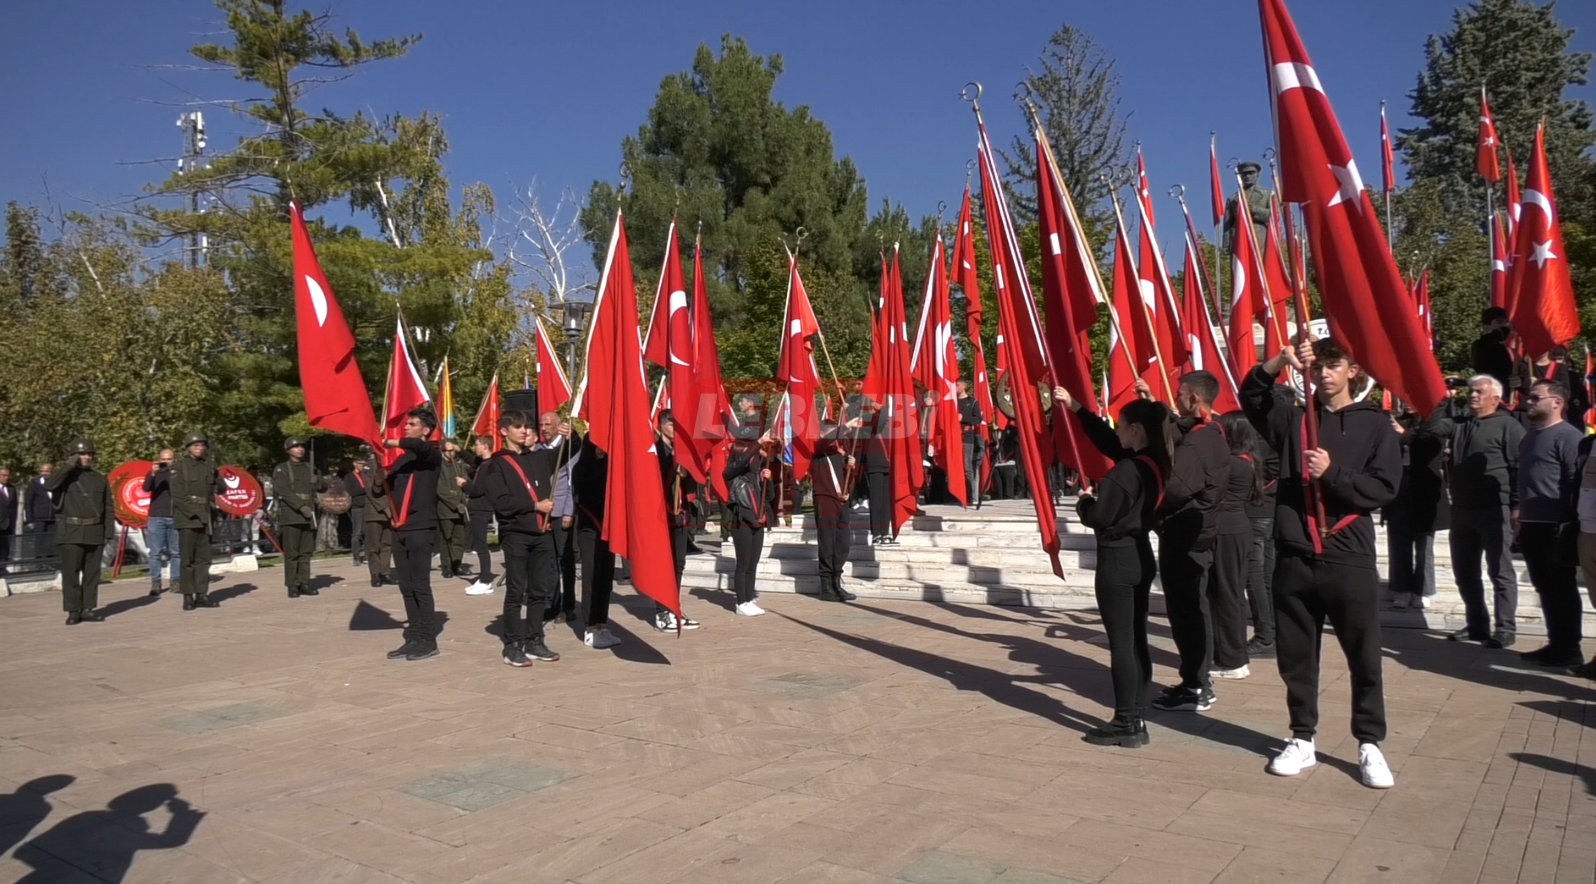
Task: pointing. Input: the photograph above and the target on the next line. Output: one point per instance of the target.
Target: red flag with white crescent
(336, 398)
(1543, 312)
(406, 390)
(934, 363)
(1485, 160)
(487, 420)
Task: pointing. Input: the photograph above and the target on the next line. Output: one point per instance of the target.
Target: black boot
(1127, 734)
(842, 594)
(307, 590)
(828, 592)
(90, 615)
(205, 601)
(188, 603)
(74, 618)
(155, 586)
(293, 592)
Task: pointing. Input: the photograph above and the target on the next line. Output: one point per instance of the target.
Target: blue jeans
(161, 538)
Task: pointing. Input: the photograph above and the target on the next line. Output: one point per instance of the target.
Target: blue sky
(544, 89)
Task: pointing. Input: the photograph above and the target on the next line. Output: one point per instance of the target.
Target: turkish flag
(934, 362)
(1499, 264)
(1200, 339)
(796, 367)
(1248, 300)
(707, 434)
(1070, 288)
(1152, 277)
(1421, 304)
(875, 371)
(1216, 193)
(1359, 285)
(969, 282)
(1015, 300)
(1276, 289)
(554, 388)
(1515, 200)
(406, 390)
(1144, 194)
(614, 400)
(487, 422)
(1130, 342)
(1485, 161)
(898, 422)
(335, 395)
(1387, 161)
(669, 344)
(1543, 310)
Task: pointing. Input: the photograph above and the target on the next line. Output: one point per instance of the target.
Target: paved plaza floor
(270, 740)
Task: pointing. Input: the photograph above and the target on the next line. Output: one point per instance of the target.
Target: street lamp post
(571, 322)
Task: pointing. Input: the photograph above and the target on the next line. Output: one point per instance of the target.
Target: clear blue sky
(548, 89)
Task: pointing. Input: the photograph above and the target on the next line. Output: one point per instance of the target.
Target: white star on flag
(1350, 185)
(1543, 253)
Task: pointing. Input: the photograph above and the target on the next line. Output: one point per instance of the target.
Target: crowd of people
(1255, 527)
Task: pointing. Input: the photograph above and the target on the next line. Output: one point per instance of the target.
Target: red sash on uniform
(543, 524)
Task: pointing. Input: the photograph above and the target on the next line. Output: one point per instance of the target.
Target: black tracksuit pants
(749, 541)
(835, 536)
(1183, 572)
(1309, 591)
(481, 521)
(412, 567)
(1551, 553)
(1124, 580)
(880, 505)
(530, 582)
(1260, 571)
(1227, 600)
(565, 555)
(681, 538)
(598, 571)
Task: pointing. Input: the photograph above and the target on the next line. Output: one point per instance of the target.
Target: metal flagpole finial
(1269, 155)
(1233, 164)
(626, 175)
(969, 169)
(1178, 191)
(972, 96)
(801, 233)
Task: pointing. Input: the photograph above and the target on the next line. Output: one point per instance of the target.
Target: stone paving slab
(887, 742)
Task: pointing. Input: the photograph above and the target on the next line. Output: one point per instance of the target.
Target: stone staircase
(994, 557)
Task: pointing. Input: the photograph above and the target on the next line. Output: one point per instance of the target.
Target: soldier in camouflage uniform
(294, 488)
(85, 513)
(454, 519)
(379, 531)
(195, 484)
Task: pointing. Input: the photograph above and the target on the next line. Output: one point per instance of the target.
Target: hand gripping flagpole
(1309, 409)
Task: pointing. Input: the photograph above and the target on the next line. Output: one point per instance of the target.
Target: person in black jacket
(590, 476)
(971, 422)
(160, 538)
(1419, 510)
(481, 510)
(38, 512)
(1187, 530)
(519, 481)
(680, 492)
(8, 519)
(833, 471)
(1227, 581)
(1484, 485)
(413, 479)
(1491, 354)
(355, 485)
(1121, 514)
(1326, 571)
(747, 472)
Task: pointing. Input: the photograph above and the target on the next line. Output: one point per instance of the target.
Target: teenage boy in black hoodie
(1327, 572)
(413, 479)
(519, 481)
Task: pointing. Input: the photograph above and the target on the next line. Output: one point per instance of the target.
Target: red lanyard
(1158, 474)
(542, 519)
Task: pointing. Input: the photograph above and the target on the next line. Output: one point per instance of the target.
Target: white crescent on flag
(318, 300)
(232, 481)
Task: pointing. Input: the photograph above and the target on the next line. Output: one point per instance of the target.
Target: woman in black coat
(746, 473)
(1121, 514)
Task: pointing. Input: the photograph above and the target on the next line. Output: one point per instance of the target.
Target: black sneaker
(205, 601)
(1553, 659)
(92, 616)
(1126, 735)
(1185, 700)
(537, 650)
(1500, 640)
(1256, 648)
(1584, 670)
(422, 651)
(1467, 635)
(513, 656)
(402, 651)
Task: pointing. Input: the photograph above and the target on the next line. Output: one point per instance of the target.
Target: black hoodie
(1365, 470)
(500, 482)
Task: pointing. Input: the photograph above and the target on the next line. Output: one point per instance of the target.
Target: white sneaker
(1422, 601)
(480, 588)
(600, 638)
(749, 609)
(1376, 773)
(665, 622)
(1238, 673)
(756, 607)
(1297, 757)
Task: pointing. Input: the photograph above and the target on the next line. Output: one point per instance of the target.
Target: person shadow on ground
(25, 808)
(104, 842)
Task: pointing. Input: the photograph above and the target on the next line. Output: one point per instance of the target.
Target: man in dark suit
(8, 516)
(38, 513)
